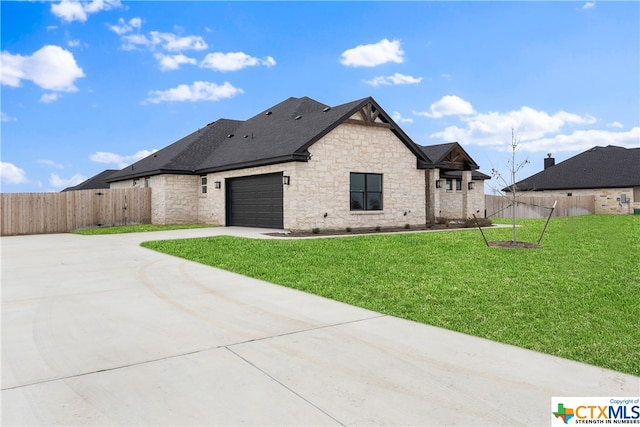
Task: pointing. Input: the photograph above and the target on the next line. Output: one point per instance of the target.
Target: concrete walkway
(99, 331)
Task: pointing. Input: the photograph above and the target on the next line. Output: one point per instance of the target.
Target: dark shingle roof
(285, 131)
(475, 175)
(184, 155)
(598, 167)
(95, 182)
(281, 133)
(437, 153)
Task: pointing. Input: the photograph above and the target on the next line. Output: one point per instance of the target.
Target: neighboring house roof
(279, 134)
(598, 167)
(95, 182)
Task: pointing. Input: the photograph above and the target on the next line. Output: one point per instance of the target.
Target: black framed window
(458, 185)
(366, 191)
(448, 185)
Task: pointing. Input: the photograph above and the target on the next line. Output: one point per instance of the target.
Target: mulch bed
(357, 231)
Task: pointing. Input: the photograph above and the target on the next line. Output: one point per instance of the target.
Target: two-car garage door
(255, 201)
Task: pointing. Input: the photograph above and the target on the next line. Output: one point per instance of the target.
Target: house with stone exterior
(301, 165)
(611, 175)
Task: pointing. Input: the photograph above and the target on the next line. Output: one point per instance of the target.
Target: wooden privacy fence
(38, 213)
(538, 206)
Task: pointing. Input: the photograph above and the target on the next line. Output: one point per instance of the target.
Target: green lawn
(578, 297)
(136, 228)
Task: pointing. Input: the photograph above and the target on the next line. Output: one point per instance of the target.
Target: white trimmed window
(203, 184)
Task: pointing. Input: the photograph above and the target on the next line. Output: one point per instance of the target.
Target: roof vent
(246, 136)
(325, 109)
(268, 113)
(230, 135)
(298, 117)
(209, 124)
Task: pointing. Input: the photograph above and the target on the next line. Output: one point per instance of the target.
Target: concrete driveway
(99, 331)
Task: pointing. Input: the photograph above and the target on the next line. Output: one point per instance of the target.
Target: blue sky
(98, 85)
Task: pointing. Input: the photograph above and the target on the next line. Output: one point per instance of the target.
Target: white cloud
(448, 105)
(198, 91)
(52, 27)
(123, 27)
(50, 163)
(234, 61)
(48, 97)
(583, 139)
(133, 41)
(174, 43)
(167, 41)
(370, 55)
(446, 76)
(72, 10)
(615, 125)
(73, 43)
(7, 118)
(396, 79)
(51, 68)
(57, 182)
(119, 160)
(173, 62)
(136, 23)
(399, 119)
(536, 130)
(11, 174)
(589, 5)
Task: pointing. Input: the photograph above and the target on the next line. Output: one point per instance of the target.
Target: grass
(577, 298)
(136, 228)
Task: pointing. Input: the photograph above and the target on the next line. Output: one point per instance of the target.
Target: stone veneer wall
(464, 203)
(321, 185)
(475, 204)
(606, 199)
(325, 181)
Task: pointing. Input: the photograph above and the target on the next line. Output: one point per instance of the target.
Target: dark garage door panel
(255, 201)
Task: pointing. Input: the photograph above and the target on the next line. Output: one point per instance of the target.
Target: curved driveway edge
(97, 330)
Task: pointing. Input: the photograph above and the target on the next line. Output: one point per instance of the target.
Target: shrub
(441, 220)
(315, 230)
(407, 226)
(378, 228)
(348, 229)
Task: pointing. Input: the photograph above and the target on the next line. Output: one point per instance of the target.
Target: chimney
(549, 161)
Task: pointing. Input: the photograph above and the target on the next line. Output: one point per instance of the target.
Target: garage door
(255, 201)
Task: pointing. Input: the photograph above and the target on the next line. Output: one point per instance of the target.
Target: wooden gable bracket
(455, 160)
(369, 116)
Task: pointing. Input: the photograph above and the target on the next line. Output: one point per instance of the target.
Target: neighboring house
(301, 165)
(610, 174)
(95, 182)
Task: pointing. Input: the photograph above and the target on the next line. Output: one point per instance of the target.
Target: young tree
(513, 170)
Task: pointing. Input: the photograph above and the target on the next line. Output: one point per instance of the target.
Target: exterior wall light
(438, 183)
(471, 185)
(286, 179)
(217, 184)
